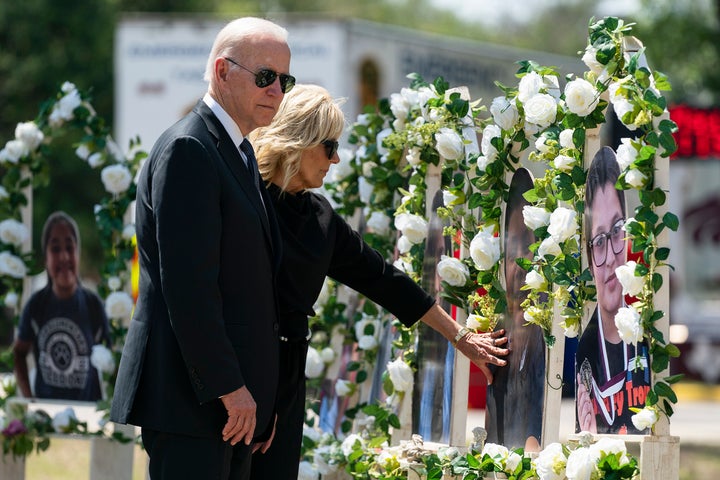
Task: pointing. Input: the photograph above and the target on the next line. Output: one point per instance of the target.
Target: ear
(221, 69)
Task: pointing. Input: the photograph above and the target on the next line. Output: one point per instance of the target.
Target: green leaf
(671, 220)
(662, 253)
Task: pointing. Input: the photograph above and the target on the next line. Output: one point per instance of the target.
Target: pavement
(696, 417)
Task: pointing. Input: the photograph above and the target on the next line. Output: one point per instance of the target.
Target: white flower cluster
(581, 463)
(506, 459)
(28, 138)
(317, 360)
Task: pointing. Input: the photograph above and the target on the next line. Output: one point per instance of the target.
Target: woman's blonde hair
(307, 116)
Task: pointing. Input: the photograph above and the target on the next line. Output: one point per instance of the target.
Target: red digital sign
(698, 134)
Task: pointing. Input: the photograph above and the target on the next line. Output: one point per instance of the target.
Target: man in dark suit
(199, 367)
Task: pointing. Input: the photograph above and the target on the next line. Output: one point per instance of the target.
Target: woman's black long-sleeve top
(317, 243)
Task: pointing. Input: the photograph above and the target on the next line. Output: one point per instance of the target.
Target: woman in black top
(294, 153)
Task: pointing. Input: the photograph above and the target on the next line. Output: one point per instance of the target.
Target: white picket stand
(109, 459)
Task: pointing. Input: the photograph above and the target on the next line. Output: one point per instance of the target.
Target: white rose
(535, 217)
(65, 107)
(12, 266)
(630, 329)
(449, 144)
(541, 144)
(414, 227)
(541, 110)
(401, 375)
(327, 355)
(102, 359)
(83, 151)
(343, 169)
(413, 156)
(29, 134)
(13, 232)
(512, 461)
(496, 452)
(118, 305)
(534, 280)
(611, 446)
(626, 153)
(581, 97)
(367, 326)
(4, 195)
(485, 249)
(482, 163)
(566, 138)
(306, 471)
(486, 146)
(379, 223)
(533, 314)
(311, 433)
(379, 140)
(621, 105)
(95, 160)
(399, 106)
(365, 189)
(367, 342)
(635, 178)
(314, 366)
(349, 443)
(631, 283)
(449, 198)
(453, 271)
(363, 119)
(14, 150)
(367, 168)
(581, 464)
(504, 112)
(343, 387)
(570, 329)
(590, 59)
(116, 178)
(564, 163)
(529, 86)
(550, 463)
(403, 266)
(128, 232)
(11, 300)
(404, 245)
(63, 420)
(562, 224)
(474, 322)
(645, 418)
(114, 283)
(548, 247)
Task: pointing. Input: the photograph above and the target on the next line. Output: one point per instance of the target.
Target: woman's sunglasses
(265, 77)
(331, 147)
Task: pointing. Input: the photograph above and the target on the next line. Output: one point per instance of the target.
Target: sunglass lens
(265, 78)
(287, 82)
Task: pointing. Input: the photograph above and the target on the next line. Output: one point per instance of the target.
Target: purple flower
(15, 427)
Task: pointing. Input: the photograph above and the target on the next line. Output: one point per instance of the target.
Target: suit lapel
(234, 161)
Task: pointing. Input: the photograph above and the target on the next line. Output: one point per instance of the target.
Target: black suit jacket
(206, 321)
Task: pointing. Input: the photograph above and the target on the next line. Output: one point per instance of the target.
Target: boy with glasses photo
(612, 376)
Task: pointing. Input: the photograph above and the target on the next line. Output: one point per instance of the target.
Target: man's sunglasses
(331, 147)
(265, 77)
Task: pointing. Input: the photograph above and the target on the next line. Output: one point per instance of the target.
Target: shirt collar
(230, 126)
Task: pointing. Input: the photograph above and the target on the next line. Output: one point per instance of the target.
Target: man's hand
(263, 446)
(241, 421)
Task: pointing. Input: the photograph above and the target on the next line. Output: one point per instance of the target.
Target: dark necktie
(247, 149)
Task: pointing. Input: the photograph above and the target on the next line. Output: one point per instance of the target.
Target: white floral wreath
(397, 141)
(23, 160)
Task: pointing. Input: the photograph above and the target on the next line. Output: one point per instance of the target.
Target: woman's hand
(484, 348)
